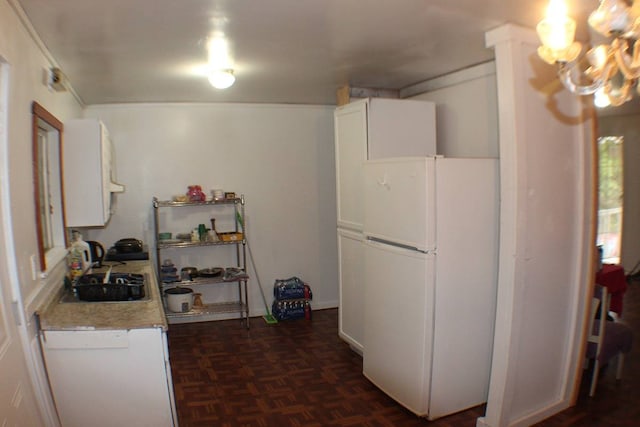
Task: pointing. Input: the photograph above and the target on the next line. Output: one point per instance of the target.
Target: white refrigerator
(431, 261)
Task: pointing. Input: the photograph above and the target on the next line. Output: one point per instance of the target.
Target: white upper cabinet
(400, 128)
(351, 152)
(89, 173)
(376, 128)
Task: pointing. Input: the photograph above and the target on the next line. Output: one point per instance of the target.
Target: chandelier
(613, 69)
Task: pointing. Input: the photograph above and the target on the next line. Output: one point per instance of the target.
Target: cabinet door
(401, 128)
(83, 166)
(351, 152)
(352, 288)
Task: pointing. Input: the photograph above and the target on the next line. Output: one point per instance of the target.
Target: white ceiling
(284, 51)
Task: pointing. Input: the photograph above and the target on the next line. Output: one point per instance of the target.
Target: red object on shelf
(613, 278)
(195, 193)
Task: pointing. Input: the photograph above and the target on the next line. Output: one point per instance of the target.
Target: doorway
(610, 192)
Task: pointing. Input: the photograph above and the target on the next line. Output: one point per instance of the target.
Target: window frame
(56, 221)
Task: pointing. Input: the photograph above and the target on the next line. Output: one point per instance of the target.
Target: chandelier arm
(622, 97)
(635, 61)
(564, 74)
(629, 66)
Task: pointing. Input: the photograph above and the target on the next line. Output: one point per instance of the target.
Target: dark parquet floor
(300, 373)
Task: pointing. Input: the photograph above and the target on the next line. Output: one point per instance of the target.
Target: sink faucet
(107, 275)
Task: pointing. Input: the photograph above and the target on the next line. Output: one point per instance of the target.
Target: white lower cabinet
(105, 378)
(352, 288)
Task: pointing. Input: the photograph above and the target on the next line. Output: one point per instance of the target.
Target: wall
(26, 59)
(27, 64)
(627, 126)
(281, 157)
(465, 126)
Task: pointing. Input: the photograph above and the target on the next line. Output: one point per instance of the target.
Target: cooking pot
(128, 245)
(96, 250)
(189, 273)
(179, 299)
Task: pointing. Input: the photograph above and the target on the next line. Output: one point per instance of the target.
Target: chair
(606, 338)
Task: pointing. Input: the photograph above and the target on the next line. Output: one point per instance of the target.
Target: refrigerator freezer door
(399, 201)
(399, 323)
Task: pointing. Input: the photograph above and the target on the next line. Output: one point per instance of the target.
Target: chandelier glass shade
(614, 68)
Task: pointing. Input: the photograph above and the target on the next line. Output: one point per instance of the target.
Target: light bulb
(221, 79)
(557, 30)
(601, 99)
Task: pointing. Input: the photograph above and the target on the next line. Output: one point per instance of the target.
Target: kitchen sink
(119, 287)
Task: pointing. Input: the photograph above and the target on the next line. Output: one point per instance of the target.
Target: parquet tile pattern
(295, 373)
(300, 373)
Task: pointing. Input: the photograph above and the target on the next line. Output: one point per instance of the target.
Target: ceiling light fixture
(221, 79)
(618, 61)
(220, 72)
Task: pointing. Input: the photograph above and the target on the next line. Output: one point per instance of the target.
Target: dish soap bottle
(79, 256)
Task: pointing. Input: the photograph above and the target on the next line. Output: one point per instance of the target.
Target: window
(610, 191)
(47, 178)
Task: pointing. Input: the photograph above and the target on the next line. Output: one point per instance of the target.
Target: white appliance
(430, 264)
(369, 129)
(107, 378)
(89, 173)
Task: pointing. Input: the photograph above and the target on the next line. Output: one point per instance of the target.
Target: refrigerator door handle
(383, 182)
(378, 241)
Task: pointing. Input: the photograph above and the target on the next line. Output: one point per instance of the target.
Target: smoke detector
(55, 79)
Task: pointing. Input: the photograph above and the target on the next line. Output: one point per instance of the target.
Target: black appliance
(128, 245)
(128, 249)
(97, 253)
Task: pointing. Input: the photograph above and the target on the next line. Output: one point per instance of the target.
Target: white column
(546, 235)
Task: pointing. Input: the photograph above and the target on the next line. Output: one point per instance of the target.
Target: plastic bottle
(79, 256)
(307, 310)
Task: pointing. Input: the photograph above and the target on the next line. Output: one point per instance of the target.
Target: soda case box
(292, 299)
(292, 288)
(291, 309)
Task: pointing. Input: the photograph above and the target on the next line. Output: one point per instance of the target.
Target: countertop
(83, 316)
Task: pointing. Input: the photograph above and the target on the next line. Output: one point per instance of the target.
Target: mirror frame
(40, 113)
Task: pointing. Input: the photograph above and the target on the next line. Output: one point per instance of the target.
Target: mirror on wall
(47, 179)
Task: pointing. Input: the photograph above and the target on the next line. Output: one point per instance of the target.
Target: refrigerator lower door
(399, 323)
